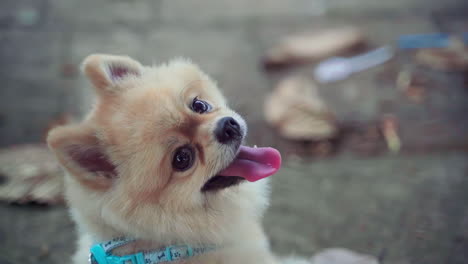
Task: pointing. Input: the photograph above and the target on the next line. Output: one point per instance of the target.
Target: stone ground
(406, 208)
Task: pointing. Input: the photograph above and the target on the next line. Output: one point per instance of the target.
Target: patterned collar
(101, 253)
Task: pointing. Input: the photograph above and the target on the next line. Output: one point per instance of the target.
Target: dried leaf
(311, 46)
(297, 111)
(342, 256)
(30, 173)
(447, 59)
(390, 133)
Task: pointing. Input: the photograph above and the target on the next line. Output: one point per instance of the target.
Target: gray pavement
(406, 208)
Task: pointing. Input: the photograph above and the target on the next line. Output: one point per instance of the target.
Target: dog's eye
(183, 158)
(200, 106)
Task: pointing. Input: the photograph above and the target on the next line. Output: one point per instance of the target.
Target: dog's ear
(107, 71)
(78, 149)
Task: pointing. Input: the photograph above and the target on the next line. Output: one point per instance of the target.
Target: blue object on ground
(434, 40)
(421, 41)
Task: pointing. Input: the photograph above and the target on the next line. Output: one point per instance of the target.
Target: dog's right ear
(107, 71)
(79, 151)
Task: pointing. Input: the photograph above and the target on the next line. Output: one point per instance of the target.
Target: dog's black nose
(227, 130)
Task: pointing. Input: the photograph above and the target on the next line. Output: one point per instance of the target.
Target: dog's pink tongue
(254, 164)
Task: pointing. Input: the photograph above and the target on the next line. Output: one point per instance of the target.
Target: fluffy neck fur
(240, 236)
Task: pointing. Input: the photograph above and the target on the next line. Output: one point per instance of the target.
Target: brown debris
(453, 58)
(30, 173)
(322, 149)
(412, 86)
(389, 128)
(362, 138)
(44, 251)
(416, 93)
(313, 46)
(297, 111)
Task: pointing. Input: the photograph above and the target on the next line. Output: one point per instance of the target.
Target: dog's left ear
(107, 71)
(80, 151)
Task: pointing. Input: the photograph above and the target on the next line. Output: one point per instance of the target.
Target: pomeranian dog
(157, 171)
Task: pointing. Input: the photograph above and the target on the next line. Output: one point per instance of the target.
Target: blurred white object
(342, 256)
(339, 68)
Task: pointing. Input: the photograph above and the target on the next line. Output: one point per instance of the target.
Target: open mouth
(251, 164)
(221, 182)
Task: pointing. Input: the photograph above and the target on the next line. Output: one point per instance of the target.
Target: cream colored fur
(119, 178)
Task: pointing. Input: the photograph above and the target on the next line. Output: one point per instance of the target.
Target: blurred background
(374, 148)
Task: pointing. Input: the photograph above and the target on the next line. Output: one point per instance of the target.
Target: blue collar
(101, 253)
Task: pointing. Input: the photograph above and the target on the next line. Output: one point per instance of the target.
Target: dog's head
(161, 152)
